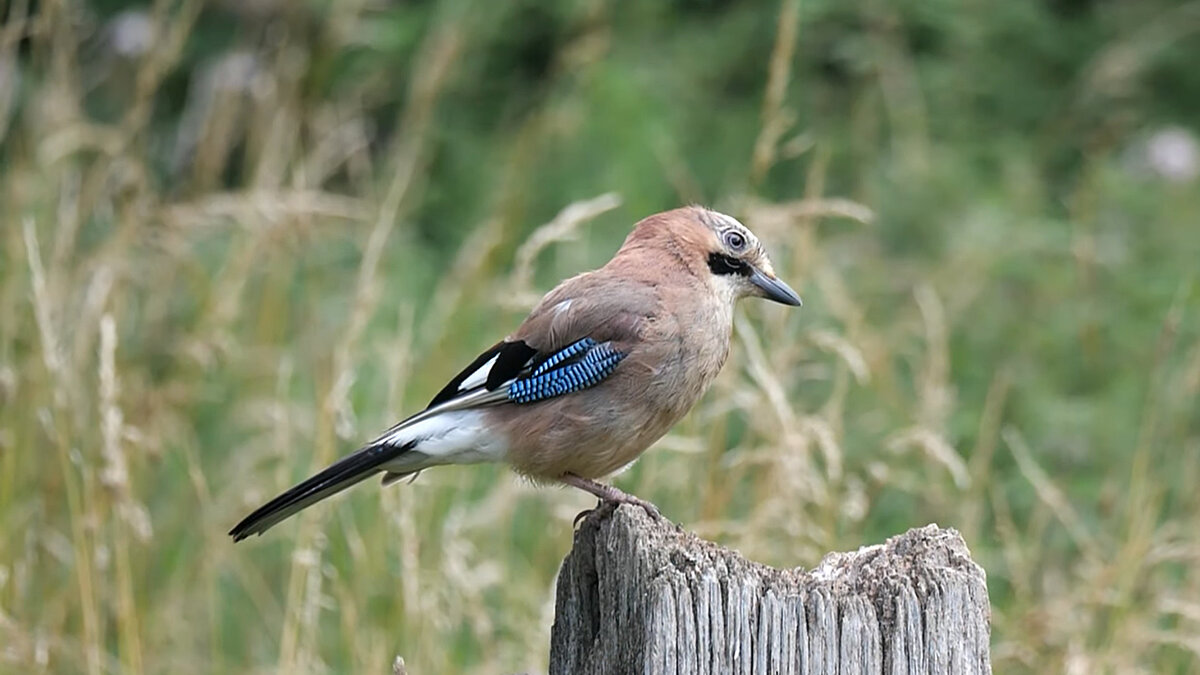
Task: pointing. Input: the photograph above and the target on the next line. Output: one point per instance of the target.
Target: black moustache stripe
(720, 263)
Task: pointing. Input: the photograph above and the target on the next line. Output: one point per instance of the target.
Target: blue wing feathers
(514, 367)
(579, 365)
(564, 354)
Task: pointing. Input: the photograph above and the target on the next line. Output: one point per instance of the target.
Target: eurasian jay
(601, 368)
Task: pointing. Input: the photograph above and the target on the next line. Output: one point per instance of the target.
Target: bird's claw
(585, 513)
(650, 509)
(609, 495)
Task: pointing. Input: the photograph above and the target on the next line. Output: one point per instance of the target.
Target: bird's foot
(610, 495)
(585, 513)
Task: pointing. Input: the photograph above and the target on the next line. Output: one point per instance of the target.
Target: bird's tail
(350, 470)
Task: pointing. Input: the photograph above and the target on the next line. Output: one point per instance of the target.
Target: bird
(603, 366)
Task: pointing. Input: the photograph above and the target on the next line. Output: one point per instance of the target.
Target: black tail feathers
(350, 470)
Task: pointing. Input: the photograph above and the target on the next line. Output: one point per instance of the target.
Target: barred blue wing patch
(579, 365)
(564, 354)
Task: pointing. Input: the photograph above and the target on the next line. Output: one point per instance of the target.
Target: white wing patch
(479, 377)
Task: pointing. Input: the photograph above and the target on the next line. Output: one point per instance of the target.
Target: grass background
(238, 238)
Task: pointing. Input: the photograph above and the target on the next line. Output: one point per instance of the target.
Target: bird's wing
(574, 339)
(578, 333)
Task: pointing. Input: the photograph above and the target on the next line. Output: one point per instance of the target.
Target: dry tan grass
(173, 351)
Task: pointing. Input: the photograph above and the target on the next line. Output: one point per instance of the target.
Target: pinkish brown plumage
(601, 368)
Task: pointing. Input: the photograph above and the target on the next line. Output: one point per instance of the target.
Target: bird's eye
(735, 240)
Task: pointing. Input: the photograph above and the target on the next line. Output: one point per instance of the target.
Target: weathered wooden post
(635, 596)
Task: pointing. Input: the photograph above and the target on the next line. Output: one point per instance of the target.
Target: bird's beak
(774, 289)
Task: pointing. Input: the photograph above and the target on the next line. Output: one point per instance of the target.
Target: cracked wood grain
(638, 596)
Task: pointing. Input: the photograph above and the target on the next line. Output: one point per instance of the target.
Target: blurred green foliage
(302, 217)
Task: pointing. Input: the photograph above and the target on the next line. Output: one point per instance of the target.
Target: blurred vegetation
(240, 237)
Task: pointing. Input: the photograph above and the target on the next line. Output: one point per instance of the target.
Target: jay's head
(716, 247)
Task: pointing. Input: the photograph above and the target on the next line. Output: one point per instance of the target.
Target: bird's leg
(608, 493)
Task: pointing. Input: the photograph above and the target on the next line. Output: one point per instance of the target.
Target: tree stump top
(639, 596)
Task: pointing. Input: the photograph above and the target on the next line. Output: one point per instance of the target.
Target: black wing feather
(511, 359)
(514, 357)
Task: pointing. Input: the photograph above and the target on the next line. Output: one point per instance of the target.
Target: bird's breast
(595, 432)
